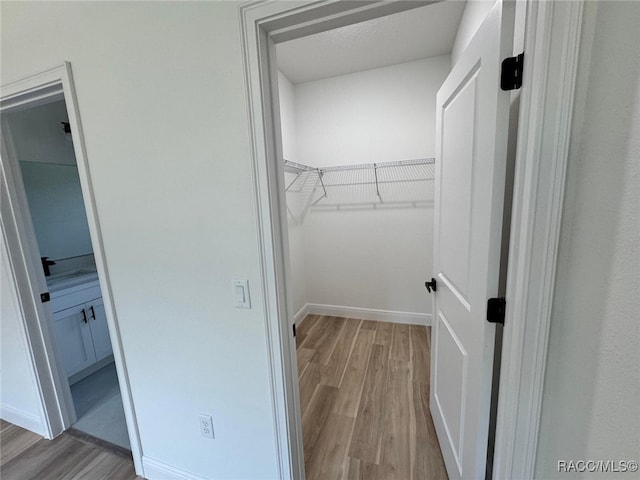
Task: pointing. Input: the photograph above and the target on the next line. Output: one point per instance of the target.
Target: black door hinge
(45, 297)
(495, 310)
(431, 286)
(294, 329)
(511, 75)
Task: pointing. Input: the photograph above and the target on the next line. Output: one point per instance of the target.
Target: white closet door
(472, 117)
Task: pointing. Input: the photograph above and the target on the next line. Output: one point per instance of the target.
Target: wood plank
(46, 459)
(308, 382)
(15, 440)
(359, 470)
(420, 361)
(300, 337)
(315, 334)
(327, 344)
(398, 424)
(304, 356)
(337, 364)
(384, 333)
(401, 342)
(107, 465)
(314, 418)
(369, 325)
(367, 433)
(427, 460)
(348, 397)
(306, 325)
(329, 459)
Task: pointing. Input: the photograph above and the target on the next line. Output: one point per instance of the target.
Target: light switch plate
(241, 294)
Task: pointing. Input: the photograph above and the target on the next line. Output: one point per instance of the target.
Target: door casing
(547, 99)
(58, 412)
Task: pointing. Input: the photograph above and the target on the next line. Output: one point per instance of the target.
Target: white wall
(19, 396)
(378, 115)
(287, 117)
(373, 259)
(295, 202)
(162, 100)
(474, 14)
(592, 386)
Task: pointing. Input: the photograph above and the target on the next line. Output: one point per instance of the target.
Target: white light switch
(241, 293)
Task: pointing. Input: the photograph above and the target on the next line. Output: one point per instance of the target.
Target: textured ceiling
(411, 35)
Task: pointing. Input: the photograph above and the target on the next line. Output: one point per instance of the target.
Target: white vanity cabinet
(80, 327)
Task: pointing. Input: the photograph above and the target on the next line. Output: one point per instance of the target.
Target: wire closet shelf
(403, 183)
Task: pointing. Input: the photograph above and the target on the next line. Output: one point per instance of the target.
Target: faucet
(46, 263)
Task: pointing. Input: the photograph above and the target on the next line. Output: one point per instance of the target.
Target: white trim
(552, 46)
(299, 317)
(156, 470)
(378, 315)
(22, 419)
(22, 249)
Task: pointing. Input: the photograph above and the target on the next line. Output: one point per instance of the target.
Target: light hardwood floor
(27, 456)
(364, 397)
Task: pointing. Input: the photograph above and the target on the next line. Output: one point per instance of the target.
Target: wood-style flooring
(27, 456)
(364, 397)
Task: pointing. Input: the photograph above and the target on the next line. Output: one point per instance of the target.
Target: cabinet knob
(93, 312)
(84, 315)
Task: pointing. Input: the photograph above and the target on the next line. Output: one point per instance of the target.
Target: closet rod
(300, 167)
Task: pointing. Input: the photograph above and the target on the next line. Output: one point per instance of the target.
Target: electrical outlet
(206, 426)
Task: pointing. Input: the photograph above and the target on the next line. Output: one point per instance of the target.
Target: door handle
(431, 286)
(93, 312)
(84, 315)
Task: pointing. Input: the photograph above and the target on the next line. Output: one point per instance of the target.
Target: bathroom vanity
(79, 323)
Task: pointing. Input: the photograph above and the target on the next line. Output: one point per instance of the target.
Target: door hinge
(511, 75)
(294, 329)
(45, 297)
(431, 286)
(496, 309)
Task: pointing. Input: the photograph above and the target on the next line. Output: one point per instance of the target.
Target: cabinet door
(73, 334)
(99, 329)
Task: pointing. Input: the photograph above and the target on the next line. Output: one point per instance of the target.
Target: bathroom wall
(51, 181)
(57, 209)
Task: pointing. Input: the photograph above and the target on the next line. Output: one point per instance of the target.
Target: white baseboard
(156, 470)
(301, 315)
(22, 419)
(367, 314)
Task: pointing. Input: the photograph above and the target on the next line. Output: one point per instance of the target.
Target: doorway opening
(41, 142)
(358, 130)
(56, 256)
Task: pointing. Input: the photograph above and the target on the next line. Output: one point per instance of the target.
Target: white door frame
(19, 235)
(545, 119)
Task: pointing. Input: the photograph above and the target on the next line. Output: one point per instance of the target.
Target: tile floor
(99, 407)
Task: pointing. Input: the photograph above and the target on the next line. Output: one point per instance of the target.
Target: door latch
(431, 286)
